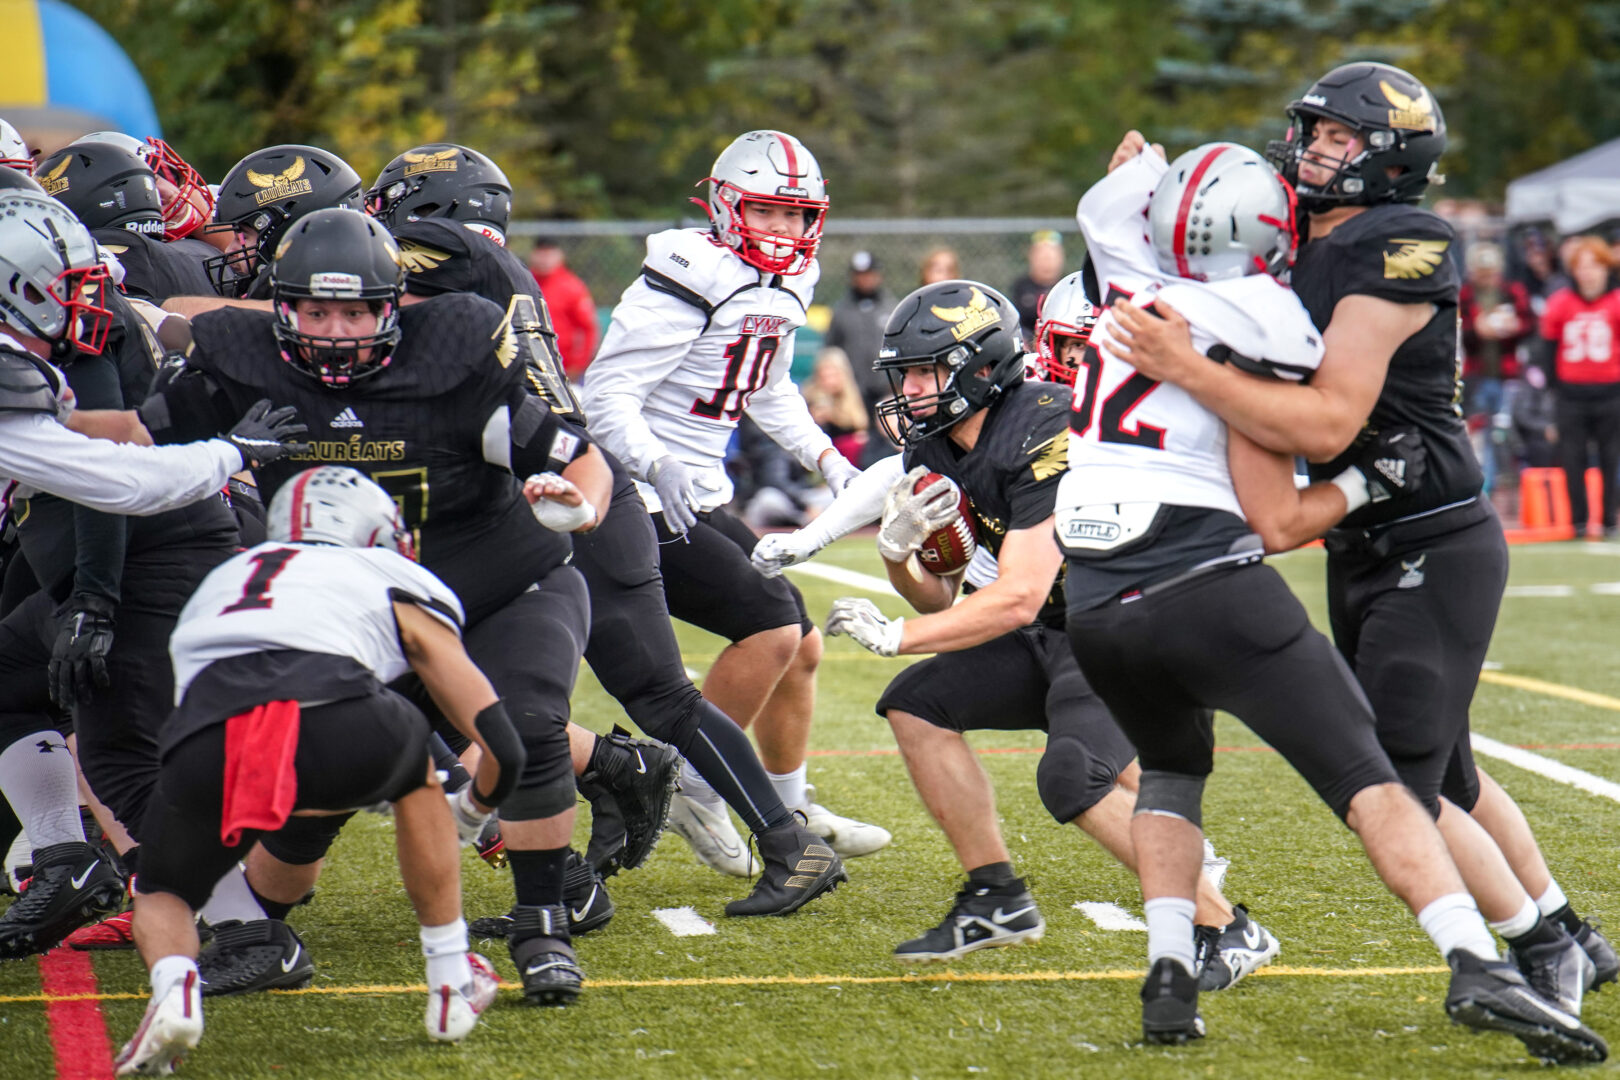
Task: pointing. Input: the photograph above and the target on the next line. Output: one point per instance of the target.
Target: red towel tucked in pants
(261, 784)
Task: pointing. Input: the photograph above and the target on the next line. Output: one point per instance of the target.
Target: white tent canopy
(1574, 195)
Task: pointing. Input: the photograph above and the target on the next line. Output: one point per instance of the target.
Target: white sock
(1521, 923)
(790, 787)
(1170, 930)
(1453, 922)
(36, 774)
(170, 970)
(232, 899)
(446, 950)
(20, 854)
(694, 787)
(1551, 900)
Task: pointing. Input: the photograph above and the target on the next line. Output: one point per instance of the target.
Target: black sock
(273, 908)
(722, 755)
(1566, 917)
(996, 875)
(537, 876)
(445, 760)
(1544, 932)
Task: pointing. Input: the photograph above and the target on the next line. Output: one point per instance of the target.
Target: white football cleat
(848, 837)
(172, 1025)
(1215, 866)
(452, 1013)
(713, 837)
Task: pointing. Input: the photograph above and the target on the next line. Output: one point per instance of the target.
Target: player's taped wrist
(1353, 482)
(560, 517)
(501, 742)
(469, 819)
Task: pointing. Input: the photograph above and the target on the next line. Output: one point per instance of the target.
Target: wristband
(1353, 482)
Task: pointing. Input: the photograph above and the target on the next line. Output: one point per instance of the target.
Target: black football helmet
(17, 180)
(443, 180)
(269, 190)
(968, 329)
(106, 187)
(1400, 123)
(337, 254)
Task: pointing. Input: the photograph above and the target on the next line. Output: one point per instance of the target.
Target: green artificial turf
(1025, 1012)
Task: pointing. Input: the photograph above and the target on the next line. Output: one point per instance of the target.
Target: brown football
(951, 548)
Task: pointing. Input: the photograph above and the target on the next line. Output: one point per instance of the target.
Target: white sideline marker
(1543, 766)
(683, 921)
(1109, 916)
(840, 576)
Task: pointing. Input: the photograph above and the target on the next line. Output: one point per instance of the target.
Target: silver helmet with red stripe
(1221, 211)
(1066, 312)
(336, 505)
(774, 168)
(13, 151)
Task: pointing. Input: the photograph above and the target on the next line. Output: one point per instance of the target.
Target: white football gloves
(470, 821)
(838, 471)
(871, 629)
(677, 485)
(776, 552)
(910, 517)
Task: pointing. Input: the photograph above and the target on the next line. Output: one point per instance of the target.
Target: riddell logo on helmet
(442, 161)
(334, 284)
(794, 192)
(145, 228)
(282, 185)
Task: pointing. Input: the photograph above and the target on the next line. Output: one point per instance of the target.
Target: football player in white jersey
(702, 337)
(1172, 614)
(281, 660)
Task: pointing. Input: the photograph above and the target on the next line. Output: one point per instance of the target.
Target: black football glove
(84, 637)
(264, 434)
(1393, 461)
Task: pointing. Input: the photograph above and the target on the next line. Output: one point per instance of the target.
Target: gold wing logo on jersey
(975, 315)
(282, 185)
(441, 161)
(54, 182)
(1414, 258)
(506, 340)
(418, 259)
(1053, 459)
(1413, 113)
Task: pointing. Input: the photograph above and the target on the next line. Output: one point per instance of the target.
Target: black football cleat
(639, 775)
(72, 885)
(587, 900)
(246, 957)
(1560, 971)
(1227, 954)
(981, 918)
(545, 959)
(1606, 965)
(1491, 995)
(798, 867)
(1170, 1004)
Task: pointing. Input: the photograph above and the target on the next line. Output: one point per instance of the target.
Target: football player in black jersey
(447, 205)
(1415, 580)
(963, 409)
(429, 401)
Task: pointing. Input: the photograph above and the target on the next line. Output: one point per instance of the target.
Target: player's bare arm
(1283, 515)
(1318, 420)
(191, 306)
(114, 425)
(925, 592)
(1030, 560)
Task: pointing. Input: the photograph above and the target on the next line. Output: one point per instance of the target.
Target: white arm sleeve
(859, 504)
(781, 412)
(647, 340)
(118, 478)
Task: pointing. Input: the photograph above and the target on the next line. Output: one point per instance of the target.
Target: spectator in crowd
(573, 312)
(941, 264)
(836, 403)
(1496, 317)
(857, 329)
(1581, 332)
(1539, 275)
(1045, 267)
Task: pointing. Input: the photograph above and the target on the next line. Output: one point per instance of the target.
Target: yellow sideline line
(1551, 689)
(797, 980)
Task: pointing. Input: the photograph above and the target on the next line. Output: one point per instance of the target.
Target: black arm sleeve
(541, 440)
(185, 405)
(99, 539)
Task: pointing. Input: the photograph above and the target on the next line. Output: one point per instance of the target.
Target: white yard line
(1539, 590)
(1544, 766)
(683, 921)
(1109, 916)
(839, 576)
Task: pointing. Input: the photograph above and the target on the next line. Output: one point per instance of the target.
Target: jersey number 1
(737, 354)
(256, 593)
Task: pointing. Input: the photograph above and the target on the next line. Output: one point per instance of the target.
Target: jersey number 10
(737, 355)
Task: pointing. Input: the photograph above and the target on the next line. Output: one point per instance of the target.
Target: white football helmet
(13, 151)
(50, 274)
(1222, 211)
(1065, 312)
(767, 167)
(335, 505)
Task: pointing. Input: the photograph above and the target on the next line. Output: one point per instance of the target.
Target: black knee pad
(304, 840)
(1172, 794)
(532, 802)
(1071, 779)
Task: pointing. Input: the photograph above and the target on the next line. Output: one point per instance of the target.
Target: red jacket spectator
(1586, 334)
(573, 312)
(1507, 319)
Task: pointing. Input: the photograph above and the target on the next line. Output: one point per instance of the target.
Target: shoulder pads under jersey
(690, 265)
(27, 384)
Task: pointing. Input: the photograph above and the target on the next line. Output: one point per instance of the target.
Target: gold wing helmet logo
(1412, 113)
(1413, 259)
(418, 259)
(975, 315)
(282, 185)
(54, 182)
(1053, 459)
(441, 161)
